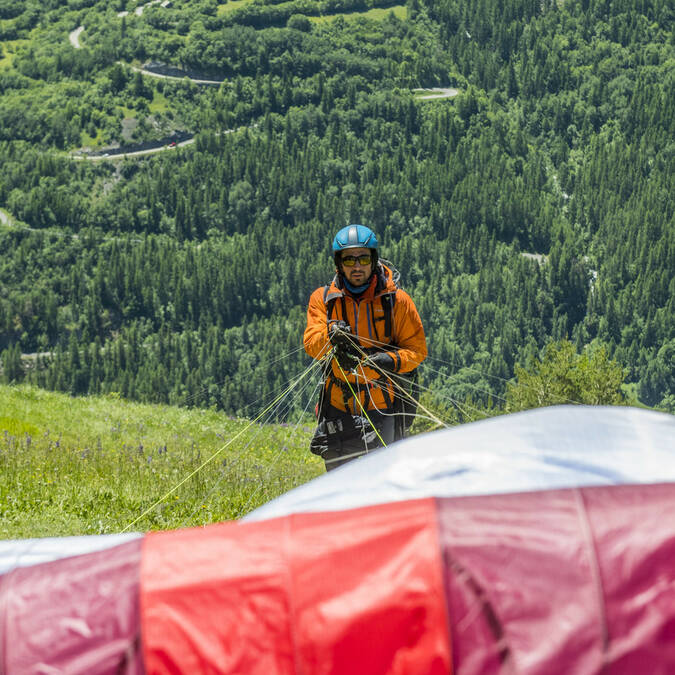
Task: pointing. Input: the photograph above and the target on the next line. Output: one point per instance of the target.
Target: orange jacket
(365, 314)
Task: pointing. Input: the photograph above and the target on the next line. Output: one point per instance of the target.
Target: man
(369, 334)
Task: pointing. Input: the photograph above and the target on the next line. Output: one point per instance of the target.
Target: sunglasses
(351, 260)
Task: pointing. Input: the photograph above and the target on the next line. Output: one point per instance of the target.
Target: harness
(387, 300)
(397, 404)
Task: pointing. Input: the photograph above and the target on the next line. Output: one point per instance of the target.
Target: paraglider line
(242, 510)
(471, 386)
(400, 388)
(455, 365)
(358, 400)
(389, 377)
(217, 452)
(190, 398)
(233, 462)
(426, 366)
(562, 399)
(454, 401)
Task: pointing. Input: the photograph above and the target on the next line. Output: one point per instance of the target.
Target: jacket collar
(380, 282)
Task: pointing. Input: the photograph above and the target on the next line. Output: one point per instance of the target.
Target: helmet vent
(353, 236)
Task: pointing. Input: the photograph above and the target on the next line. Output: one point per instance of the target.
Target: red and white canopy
(559, 578)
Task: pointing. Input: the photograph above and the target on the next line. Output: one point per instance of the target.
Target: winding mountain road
(437, 92)
(112, 155)
(74, 37)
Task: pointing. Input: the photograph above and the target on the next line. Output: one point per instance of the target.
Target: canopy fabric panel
(578, 580)
(564, 581)
(352, 592)
(24, 552)
(74, 615)
(552, 578)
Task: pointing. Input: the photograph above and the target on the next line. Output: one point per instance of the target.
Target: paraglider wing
(567, 565)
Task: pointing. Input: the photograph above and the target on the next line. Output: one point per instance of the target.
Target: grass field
(231, 6)
(377, 14)
(159, 103)
(91, 141)
(5, 219)
(94, 465)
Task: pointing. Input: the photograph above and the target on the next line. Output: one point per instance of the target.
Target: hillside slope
(94, 465)
(536, 204)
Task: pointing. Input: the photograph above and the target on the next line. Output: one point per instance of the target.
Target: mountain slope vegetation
(536, 205)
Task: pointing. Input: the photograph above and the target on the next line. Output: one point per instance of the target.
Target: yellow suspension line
(358, 400)
(217, 452)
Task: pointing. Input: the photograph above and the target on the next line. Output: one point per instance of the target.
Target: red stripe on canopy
(357, 591)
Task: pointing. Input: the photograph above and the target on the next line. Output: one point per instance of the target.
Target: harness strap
(343, 386)
(347, 394)
(387, 301)
(329, 301)
(385, 394)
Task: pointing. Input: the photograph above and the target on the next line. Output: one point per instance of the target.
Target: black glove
(380, 361)
(340, 335)
(346, 359)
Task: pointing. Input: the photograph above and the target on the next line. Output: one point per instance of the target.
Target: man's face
(356, 274)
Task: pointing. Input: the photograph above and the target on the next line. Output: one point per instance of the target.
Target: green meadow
(95, 465)
(376, 13)
(232, 6)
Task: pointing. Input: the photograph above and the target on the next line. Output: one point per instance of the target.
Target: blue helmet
(354, 236)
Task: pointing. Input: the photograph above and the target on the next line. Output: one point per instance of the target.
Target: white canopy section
(544, 448)
(24, 552)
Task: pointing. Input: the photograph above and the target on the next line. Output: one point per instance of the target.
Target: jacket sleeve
(317, 344)
(315, 339)
(408, 334)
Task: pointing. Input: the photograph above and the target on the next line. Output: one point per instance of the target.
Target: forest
(536, 205)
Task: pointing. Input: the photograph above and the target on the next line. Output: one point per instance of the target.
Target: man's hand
(341, 337)
(340, 334)
(346, 360)
(379, 361)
